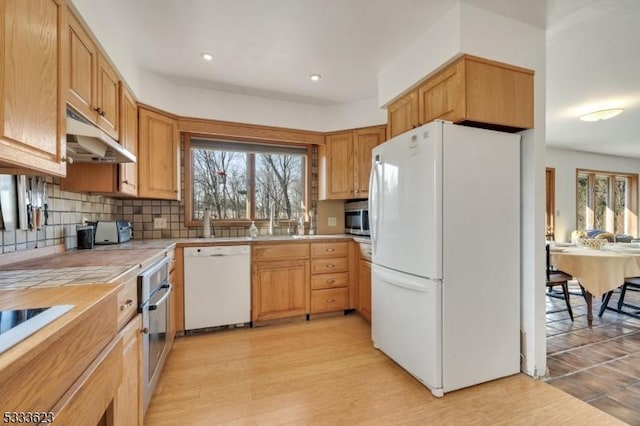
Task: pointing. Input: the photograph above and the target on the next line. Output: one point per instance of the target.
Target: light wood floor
(326, 371)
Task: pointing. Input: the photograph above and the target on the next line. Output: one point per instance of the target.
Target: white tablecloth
(598, 271)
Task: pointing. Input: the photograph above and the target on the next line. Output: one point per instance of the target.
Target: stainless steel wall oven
(153, 293)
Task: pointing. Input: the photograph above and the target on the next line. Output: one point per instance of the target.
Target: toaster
(112, 231)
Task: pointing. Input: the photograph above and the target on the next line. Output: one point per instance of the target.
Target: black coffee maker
(85, 237)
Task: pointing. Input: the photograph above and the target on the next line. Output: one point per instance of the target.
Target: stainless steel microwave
(356, 218)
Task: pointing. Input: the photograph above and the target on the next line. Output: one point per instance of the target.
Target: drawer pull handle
(331, 281)
(126, 304)
(330, 250)
(330, 265)
(331, 300)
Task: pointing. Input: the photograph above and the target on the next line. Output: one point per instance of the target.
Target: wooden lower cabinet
(364, 289)
(280, 289)
(330, 277)
(329, 300)
(128, 401)
(91, 397)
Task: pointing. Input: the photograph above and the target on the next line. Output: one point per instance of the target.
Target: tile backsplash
(66, 210)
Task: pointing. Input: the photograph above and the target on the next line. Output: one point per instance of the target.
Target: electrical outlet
(333, 221)
(159, 223)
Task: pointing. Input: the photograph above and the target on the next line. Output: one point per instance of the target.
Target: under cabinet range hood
(88, 143)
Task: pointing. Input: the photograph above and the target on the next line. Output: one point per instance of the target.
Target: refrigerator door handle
(402, 280)
(373, 199)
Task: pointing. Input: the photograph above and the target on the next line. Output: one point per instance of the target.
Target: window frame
(612, 176)
(189, 221)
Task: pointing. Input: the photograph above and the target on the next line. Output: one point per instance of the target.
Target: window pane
(601, 198)
(620, 204)
(219, 183)
(582, 200)
(279, 186)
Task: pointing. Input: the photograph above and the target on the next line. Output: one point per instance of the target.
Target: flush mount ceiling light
(603, 114)
(315, 77)
(207, 56)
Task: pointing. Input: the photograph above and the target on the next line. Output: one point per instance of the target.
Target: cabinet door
(33, 84)
(158, 156)
(83, 62)
(402, 115)
(129, 140)
(280, 289)
(107, 98)
(364, 142)
(340, 171)
(128, 402)
(90, 397)
(499, 94)
(364, 289)
(442, 96)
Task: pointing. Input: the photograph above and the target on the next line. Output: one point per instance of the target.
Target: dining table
(599, 271)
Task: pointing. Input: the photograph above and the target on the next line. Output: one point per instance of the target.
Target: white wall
(566, 163)
(468, 29)
(430, 51)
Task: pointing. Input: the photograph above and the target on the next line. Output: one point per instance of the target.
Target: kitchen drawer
(332, 249)
(319, 282)
(275, 251)
(365, 251)
(127, 302)
(326, 266)
(335, 299)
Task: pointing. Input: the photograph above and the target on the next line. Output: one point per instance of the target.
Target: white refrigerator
(444, 208)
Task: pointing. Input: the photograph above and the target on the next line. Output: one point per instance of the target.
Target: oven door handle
(163, 298)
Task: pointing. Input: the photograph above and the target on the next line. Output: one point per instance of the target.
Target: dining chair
(632, 284)
(558, 278)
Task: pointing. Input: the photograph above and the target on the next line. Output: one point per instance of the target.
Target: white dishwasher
(217, 286)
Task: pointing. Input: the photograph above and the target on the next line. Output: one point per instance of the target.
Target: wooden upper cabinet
(345, 162)
(472, 91)
(499, 94)
(33, 85)
(83, 63)
(110, 178)
(402, 115)
(158, 156)
(107, 105)
(340, 171)
(93, 82)
(364, 142)
(442, 96)
(128, 179)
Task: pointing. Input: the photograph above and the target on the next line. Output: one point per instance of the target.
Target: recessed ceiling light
(603, 114)
(207, 56)
(315, 77)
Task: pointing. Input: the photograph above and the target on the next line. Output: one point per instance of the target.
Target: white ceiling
(269, 48)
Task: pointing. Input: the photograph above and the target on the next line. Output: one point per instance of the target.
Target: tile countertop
(77, 267)
(106, 263)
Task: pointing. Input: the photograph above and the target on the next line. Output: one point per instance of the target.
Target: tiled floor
(600, 365)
